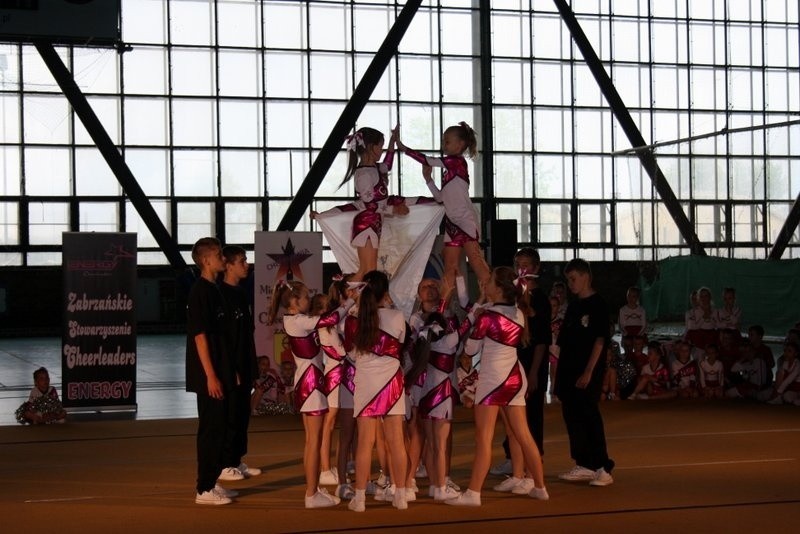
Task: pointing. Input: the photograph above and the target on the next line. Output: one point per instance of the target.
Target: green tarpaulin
(768, 292)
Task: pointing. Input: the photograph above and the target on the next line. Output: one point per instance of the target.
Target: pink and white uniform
(632, 321)
(334, 356)
(660, 377)
(684, 375)
(309, 379)
(461, 220)
(497, 333)
(379, 378)
(438, 391)
(711, 375)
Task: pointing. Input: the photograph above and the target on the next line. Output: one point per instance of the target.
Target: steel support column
(785, 235)
(488, 206)
(646, 155)
(110, 153)
(352, 110)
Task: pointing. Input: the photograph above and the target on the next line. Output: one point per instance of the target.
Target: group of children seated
(273, 392)
(712, 360)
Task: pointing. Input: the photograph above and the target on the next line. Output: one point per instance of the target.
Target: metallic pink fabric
(369, 218)
(506, 391)
(498, 328)
(310, 380)
(334, 378)
(330, 318)
(332, 353)
(387, 346)
(421, 379)
(443, 362)
(349, 377)
(458, 237)
(306, 347)
(435, 397)
(382, 403)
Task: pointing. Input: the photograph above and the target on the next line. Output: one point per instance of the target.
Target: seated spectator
(268, 397)
(626, 374)
(755, 336)
(748, 375)
(287, 379)
(685, 372)
(632, 317)
(729, 315)
(787, 382)
(701, 321)
(637, 355)
(43, 405)
(654, 382)
(610, 389)
(712, 374)
(729, 349)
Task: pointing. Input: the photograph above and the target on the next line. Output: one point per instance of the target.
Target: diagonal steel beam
(110, 153)
(351, 111)
(785, 235)
(646, 155)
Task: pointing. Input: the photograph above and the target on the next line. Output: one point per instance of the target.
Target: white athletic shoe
(539, 494)
(399, 499)
(578, 473)
(451, 484)
(229, 493)
(357, 504)
(468, 498)
(248, 471)
(422, 471)
(601, 478)
(212, 497)
(345, 491)
(320, 500)
(508, 484)
(524, 487)
(329, 477)
(385, 493)
(503, 468)
(411, 495)
(445, 493)
(231, 473)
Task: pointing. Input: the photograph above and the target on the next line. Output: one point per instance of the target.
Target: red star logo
(289, 262)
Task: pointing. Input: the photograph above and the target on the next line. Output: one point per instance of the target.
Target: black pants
(534, 409)
(587, 438)
(238, 421)
(211, 434)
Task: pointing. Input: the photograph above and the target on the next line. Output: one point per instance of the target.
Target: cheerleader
(654, 377)
(712, 374)
(310, 399)
(684, 371)
(502, 385)
(461, 220)
(371, 179)
(379, 386)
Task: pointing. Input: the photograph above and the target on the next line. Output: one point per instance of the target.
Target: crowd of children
(711, 360)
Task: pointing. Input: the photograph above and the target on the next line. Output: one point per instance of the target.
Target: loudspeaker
(502, 242)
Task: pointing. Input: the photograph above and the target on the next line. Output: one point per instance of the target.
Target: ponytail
(283, 289)
(376, 285)
(465, 132)
(504, 278)
(357, 144)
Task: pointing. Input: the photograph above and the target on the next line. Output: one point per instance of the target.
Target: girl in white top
(712, 374)
(729, 315)
(787, 382)
(632, 317)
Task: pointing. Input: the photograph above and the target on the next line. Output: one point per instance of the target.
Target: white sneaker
(445, 493)
(578, 473)
(357, 504)
(422, 471)
(414, 485)
(229, 493)
(450, 484)
(248, 471)
(319, 500)
(508, 484)
(524, 487)
(601, 478)
(382, 480)
(231, 473)
(345, 491)
(329, 477)
(411, 495)
(212, 497)
(385, 493)
(399, 499)
(468, 498)
(503, 468)
(539, 494)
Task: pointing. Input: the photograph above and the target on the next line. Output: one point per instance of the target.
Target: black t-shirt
(585, 320)
(238, 332)
(539, 328)
(205, 313)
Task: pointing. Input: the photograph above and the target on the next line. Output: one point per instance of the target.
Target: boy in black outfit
(239, 344)
(583, 339)
(209, 373)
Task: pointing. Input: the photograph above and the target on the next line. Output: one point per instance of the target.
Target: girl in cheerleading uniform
(712, 374)
(371, 180)
(684, 371)
(378, 343)
(654, 379)
(310, 398)
(461, 220)
(502, 385)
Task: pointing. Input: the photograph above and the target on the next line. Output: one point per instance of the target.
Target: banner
(282, 256)
(98, 356)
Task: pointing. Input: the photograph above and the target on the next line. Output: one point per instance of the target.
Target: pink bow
(337, 277)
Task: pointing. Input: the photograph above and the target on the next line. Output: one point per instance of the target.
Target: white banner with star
(282, 256)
